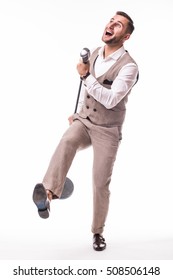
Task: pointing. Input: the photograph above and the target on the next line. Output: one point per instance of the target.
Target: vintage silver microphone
(85, 55)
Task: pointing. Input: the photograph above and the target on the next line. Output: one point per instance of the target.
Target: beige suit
(97, 126)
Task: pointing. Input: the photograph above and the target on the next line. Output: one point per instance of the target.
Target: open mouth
(108, 33)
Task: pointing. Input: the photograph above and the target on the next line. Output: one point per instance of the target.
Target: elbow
(111, 103)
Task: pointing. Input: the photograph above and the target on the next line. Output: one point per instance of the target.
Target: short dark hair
(130, 27)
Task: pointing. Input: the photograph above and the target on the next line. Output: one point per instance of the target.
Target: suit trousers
(104, 141)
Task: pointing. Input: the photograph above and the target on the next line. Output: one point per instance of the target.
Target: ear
(127, 36)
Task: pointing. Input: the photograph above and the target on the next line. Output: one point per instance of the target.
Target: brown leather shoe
(99, 243)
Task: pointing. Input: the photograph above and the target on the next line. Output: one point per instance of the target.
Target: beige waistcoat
(94, 110)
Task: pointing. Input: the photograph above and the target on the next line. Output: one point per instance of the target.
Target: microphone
(85, 55)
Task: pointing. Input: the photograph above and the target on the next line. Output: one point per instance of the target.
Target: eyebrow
(118, 21)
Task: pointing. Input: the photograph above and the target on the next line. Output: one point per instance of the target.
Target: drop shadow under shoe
(99, 243)
(41, 201)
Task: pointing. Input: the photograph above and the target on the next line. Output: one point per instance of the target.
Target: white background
(40, 45)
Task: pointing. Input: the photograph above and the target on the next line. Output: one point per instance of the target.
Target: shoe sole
(99, 248)
(41, 201)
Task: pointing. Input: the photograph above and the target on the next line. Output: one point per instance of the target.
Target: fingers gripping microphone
(85, 55)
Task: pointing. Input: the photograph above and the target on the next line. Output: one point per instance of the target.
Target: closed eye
(116, 23)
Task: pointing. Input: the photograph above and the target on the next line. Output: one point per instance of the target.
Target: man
(107, 79)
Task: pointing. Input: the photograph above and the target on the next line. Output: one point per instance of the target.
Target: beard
(112, 41)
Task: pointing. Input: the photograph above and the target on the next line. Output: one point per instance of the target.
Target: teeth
(108, 33)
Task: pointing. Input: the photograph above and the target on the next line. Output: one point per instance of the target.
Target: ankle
(49, 194)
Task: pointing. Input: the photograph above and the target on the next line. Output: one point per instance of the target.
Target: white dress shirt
(120, 86)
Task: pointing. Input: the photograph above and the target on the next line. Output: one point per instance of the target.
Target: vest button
(94, 110)
(87, 107)
(88, 96)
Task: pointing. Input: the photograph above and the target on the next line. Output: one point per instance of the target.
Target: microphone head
(85, 55)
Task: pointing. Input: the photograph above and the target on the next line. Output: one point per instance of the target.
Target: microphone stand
(85, 54)
(78, 95)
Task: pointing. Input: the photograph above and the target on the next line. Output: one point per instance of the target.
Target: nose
(111, 25)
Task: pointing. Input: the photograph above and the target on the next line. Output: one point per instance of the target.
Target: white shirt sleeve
(120, 87)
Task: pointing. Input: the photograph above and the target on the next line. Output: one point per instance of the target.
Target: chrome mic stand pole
(77, 100)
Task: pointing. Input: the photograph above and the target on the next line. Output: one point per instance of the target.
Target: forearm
(120, 87)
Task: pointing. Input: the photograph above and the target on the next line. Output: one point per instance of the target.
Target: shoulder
(127, 57)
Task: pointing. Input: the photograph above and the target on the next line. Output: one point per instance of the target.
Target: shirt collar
(116, 55)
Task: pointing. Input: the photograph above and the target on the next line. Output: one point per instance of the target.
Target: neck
(108, 49)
